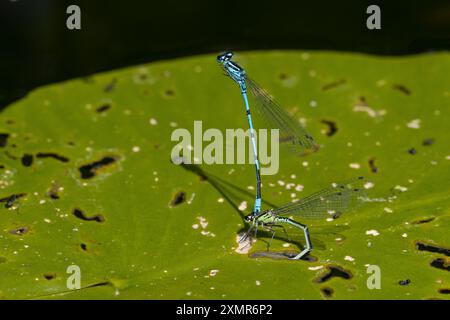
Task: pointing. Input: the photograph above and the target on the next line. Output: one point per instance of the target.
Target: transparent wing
(327, 203)
(277, 118)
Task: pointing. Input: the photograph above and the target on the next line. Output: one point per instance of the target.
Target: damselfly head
(249, 218)
(225, 56)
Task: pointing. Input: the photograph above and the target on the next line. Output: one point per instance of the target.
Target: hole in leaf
(89, 170)
(424, 220)
(332, 128)
(81, 215)
(103, 108)
(404, 282)
(444, 291)
(333, 84)
(334, 272)
(441, 263)
(52, 155)
(4, 139)
(83, 246)
(412, 151)
(19, 231)
(422, 246)
(49, 276)
(179, 198)
(402, 89)
(372, 165)
(327, 292)
(27, 160)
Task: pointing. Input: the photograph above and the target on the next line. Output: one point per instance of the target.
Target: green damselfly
(328, 203)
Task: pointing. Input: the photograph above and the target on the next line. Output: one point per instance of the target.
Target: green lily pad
(86, 179)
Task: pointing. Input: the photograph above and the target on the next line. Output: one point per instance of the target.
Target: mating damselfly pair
(327, 203)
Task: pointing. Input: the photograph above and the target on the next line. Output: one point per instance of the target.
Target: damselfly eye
(249, 218)
(225, 56)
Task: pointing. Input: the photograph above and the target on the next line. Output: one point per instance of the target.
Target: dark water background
(36, 48)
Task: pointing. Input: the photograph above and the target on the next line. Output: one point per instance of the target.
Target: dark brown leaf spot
(4, 139)
(27, 160)
(372, 165)
(81, 215)
(179, 198)
(89, 170)
(424, 220)
(441, 263)
(19, 231)
(412, 151)
(402, 89)
(49, 276)
(422, 246)
(404, 282)
(52, 155)
(103, 108)
(169, 93)
(327, 292)
(333, 84)
(332, 127)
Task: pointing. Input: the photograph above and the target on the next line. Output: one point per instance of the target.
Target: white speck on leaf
(354, 165)
(243, 206)
(349, 258)
(401, 188)
(369, 185)
(315, 268)
(213, 273)
(372, 233)
(414, 124)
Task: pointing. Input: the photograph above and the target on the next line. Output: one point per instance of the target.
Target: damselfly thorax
(232, 69)
(264, 218)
